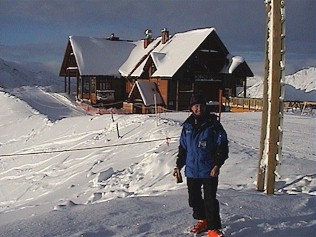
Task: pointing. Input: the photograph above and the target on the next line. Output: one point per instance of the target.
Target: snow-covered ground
(73, 174)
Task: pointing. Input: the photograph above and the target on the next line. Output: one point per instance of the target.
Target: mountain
(13, 75)
(39, 88)
(300, 86)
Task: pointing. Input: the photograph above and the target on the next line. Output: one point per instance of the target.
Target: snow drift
(74, 175)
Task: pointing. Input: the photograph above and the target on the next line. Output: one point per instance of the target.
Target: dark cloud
(34, 27)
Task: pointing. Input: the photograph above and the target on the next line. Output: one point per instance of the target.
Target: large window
(102, 84)
(105, 84)
(93, 84)
(86, 85)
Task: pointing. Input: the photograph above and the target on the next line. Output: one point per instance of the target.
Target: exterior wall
(85, 88)
(138, 108)
(210, 89)
(162, 85)
(128, 86)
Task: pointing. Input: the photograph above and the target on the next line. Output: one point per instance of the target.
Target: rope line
(167, 139)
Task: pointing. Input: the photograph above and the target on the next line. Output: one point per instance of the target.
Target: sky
(38, 30)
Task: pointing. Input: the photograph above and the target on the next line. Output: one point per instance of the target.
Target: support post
(272, 116)
(220, 94)
(65, 83)
(69, 84)
(177, 96)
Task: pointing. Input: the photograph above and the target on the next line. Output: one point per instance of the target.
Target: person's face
(198, 109)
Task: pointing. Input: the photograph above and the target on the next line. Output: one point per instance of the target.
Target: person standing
(203, 150)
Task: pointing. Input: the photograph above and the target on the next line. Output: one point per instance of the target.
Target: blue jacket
(203, 144)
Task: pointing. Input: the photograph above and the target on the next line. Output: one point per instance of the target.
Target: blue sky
(38, 30)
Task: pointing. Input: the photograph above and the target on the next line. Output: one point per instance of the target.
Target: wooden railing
(250, 104)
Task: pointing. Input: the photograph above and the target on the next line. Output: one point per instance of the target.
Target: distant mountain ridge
(13, 75)
(300, 86)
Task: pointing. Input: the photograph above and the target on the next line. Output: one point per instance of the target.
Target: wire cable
(167, 139)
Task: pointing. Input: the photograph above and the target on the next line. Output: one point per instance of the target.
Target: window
(93, 85)
(86, 85)
(105, 84)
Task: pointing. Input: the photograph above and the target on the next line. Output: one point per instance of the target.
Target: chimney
(148, 38)
(113, 38)
(164, 35)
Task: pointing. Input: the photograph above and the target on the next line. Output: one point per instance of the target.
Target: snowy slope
(124, 186)
(80, 176)
(301, 86)
(37, 87)
(13, 75)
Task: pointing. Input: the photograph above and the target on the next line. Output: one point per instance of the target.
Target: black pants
(207, 207)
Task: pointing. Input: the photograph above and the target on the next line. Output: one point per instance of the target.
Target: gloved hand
(176, 173)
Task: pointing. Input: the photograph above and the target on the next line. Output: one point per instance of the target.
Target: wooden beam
(65, 82)
(264, 116)
(275, 75)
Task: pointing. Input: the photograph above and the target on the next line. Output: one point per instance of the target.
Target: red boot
(199, 227)
(215, 233)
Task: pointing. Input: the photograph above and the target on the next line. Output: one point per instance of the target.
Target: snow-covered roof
(148, 92)
(234, 62)
(99, 56)
(137, 56)
(169, 57)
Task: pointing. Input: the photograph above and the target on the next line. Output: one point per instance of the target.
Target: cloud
(37, 31)
(29, 51)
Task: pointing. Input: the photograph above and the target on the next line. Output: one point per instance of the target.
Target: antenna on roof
(148, 33)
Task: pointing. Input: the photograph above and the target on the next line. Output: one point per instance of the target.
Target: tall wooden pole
(272, 117)
(264, 116)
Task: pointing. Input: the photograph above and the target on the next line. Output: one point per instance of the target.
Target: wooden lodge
(95, 69)
(164, 71)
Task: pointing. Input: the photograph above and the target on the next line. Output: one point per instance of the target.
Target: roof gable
(169, 57)
(137, 57)
(148, 91)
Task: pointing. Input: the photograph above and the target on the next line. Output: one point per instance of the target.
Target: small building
(195, 61)
(95, 63)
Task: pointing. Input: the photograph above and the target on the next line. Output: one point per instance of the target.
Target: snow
(72, 175)
(130, 67)
(178, 49)
(234, 62)
(99, 56)
(129, 58)
(300, 86)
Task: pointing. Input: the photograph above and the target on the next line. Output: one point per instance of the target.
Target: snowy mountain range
(300, 86)
(13, 75)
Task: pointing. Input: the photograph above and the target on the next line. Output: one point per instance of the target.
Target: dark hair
(197, 99)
